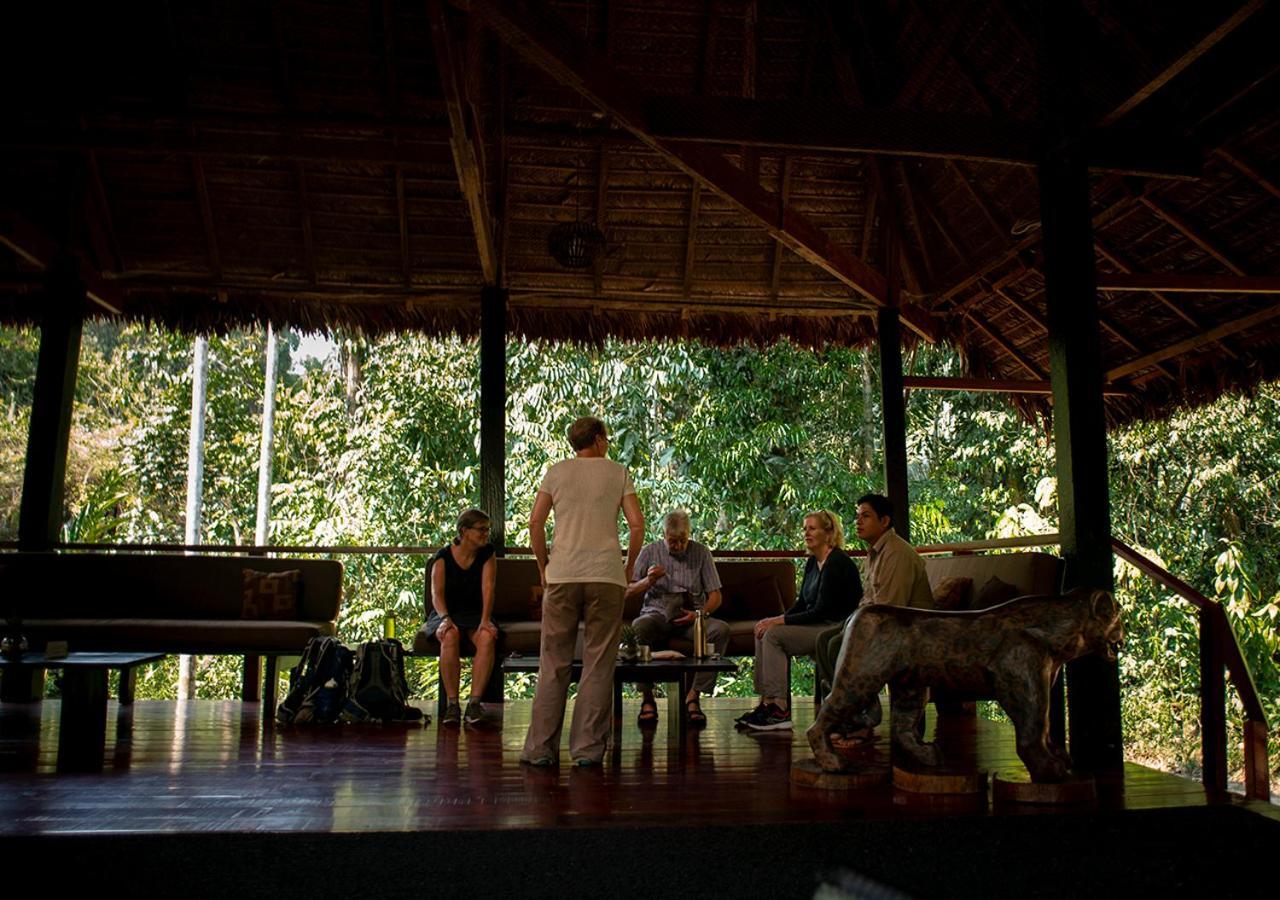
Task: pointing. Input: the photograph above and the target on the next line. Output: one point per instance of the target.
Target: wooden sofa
(166, 602)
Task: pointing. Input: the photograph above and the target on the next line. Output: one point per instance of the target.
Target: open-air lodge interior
(1082, 198)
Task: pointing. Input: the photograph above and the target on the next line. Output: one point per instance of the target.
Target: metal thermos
(700, 635)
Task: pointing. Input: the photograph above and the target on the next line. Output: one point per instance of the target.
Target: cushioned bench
(752, 589)
(167, 602)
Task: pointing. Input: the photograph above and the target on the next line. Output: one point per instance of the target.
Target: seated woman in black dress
(460, 579)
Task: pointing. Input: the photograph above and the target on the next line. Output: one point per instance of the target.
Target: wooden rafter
(1251, 171)
(308, 238)
(1190, 232)
(466, 158)
(206, 216)
(1191, 284)
(978, 199)
(938, 49)
(37, 249)
(1007, 346)
(994, 386)
(602, 202)
(548, 46)
(1203, 46)
(691, 235)
(784, 197)
(818, 126)
(105, 219)
(1181, 348)
(402, 219)
(916, 225)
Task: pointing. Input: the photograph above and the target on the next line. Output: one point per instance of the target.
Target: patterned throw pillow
(993, 593)
(953, 593)
(270, 595)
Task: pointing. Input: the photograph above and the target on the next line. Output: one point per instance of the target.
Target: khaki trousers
(599, 606)
(773, 656)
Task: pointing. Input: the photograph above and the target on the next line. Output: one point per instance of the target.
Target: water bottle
(699, 634)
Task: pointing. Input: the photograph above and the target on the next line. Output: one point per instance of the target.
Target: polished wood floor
(205, 766)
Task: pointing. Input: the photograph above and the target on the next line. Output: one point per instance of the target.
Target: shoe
(452, 715)
(648, 714)
(742, 719)
(771, 718)
(539, 762)
(475, 712)
(586, 762)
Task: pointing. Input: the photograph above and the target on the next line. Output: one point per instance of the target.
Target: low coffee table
(679, 672)
(83, 730)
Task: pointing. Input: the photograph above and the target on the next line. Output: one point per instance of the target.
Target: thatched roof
(373, 165)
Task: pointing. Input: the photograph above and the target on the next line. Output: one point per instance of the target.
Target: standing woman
(829, 592)
(461, 578)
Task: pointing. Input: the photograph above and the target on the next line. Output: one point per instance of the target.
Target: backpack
(377, 690)
(317, 684)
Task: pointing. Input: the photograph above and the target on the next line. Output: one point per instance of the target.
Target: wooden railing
(1219, 649)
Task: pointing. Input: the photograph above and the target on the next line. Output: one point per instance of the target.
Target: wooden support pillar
(493, 410)
(892, 399)
(1213, 699)
(1080, 432)
(40, 518)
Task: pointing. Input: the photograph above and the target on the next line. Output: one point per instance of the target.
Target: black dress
(463, 595)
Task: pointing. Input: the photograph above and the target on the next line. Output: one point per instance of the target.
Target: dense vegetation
(377, 445)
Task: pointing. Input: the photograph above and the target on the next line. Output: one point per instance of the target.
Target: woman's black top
(463, 596)
(827, 594)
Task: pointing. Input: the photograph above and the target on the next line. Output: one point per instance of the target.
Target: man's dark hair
(879, 502)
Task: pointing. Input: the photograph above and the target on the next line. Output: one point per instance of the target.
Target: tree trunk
(262, 526)
(195, 484)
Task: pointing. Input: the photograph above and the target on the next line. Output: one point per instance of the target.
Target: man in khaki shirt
(895, 575)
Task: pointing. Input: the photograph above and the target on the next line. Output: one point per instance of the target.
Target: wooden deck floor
(209, 766)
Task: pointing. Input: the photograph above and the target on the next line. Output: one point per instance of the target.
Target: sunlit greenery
(377, 445)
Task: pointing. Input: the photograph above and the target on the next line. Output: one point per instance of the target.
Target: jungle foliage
(378, 445)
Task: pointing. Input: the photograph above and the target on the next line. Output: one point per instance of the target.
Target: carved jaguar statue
(1011, 652)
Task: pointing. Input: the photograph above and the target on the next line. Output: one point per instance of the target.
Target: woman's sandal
(648, 713)
(693, 712)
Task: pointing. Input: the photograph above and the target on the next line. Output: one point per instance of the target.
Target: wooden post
(493, 411)
(892, 400)
(40, 516)
(1080, 434)
(1213, 699)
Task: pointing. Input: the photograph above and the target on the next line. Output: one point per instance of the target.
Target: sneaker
(452, 715)
(539, 762)
(475, 712)
(742, 719)
(770, 718)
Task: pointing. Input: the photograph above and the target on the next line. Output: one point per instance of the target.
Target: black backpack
(317, 684)
(377, 690)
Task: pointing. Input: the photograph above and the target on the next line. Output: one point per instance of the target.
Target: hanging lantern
(575, 245)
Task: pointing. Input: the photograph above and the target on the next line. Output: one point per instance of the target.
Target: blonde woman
(829, 591)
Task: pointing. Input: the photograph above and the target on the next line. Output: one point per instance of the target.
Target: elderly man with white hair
(679, 578)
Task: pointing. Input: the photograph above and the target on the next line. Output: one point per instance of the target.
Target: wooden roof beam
(1250, 171)
(1007, 346)
(1190, 232)
(466, 158)
(995, 386)
(545, 42)
(691, 235)
(984, 206)
(1203, 46)
(37, 249)
(602, 204)
(811, 126)
(1190, 284)
(1194, 343)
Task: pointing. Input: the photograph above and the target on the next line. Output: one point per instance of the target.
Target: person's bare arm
(635, 521)
(438, 602)
(538, 532)
(713, 602)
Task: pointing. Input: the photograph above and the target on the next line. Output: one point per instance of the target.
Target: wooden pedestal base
(808, 773)
(1017, 787)
(939, 782)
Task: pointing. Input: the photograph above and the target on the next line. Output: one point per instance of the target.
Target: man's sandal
(648, 713)
(693, 712)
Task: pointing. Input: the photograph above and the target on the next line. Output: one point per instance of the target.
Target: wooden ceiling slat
(466, 159)
(1189, 345)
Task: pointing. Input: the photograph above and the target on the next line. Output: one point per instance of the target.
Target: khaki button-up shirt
(896, 574)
